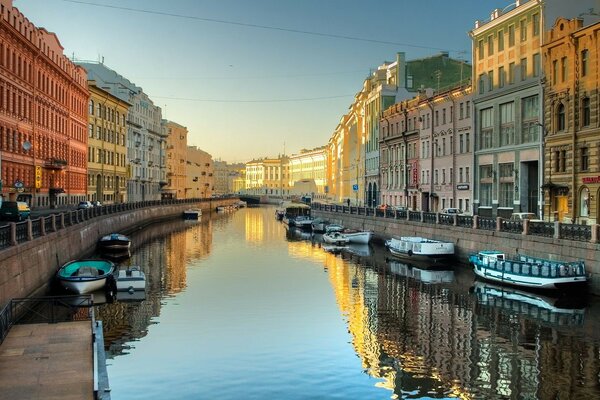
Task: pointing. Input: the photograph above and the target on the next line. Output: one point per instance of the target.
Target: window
(535, 21)
(490, 45)
(468, 109)
(467, 143)
(563, 161)
(563, 69)
(485, 185)
(555, 72)
(530, 112)
(437, 118)
(536, 64)
(584, 159)
(481, 84)
(584, 62)
(461, 143)
(585, 112)
(467, 175)
(91, 106)
(461, 110)
(500, 40)
(480, 50)
(511, 73)
(523, 69)
(490, 81)
(584, 206)
(486, 128)
(501, 77)
(506, 187)
(444, 116)
(507, 124)
(511, 35)
(460, 175)
(560, 117)
(523, 29)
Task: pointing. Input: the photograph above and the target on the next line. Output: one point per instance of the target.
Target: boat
(362, 237)
(319, 224)
(334, 228)
(336, 238)
(241, 204)
(279, 214)
(85, 276)
(415, 246)
(131, 278)
(292, 211)
(429, 276)
(192, 214)
(303, 222)
(555, 311)
(527, 271)
(114, 242)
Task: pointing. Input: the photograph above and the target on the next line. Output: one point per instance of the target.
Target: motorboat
(131, 278)
(414, 246)
(319, 225)
(85, 276)
(293, 211)
(361, 237)
(556, 311)
(430, 276)
(114, 242)
(334, 228)
(336, 238)
(527, 271)
(303, 222)
(192, 214)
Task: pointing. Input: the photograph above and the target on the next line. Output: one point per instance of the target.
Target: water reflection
(418, 332)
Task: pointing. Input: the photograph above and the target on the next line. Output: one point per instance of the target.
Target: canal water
(237, 307)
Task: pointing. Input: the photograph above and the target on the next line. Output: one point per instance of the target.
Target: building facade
(176, 150)
(307, 173)
(107, 130)
(199, 181)
(572, 122)
(43, 115)
(268, 176)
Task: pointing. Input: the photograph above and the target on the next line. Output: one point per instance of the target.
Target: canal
(237, 307)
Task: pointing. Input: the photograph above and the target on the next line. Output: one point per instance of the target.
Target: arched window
(560, 117)
(584, 202)
(585, 112)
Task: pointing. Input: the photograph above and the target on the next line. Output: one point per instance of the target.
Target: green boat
(85, 276)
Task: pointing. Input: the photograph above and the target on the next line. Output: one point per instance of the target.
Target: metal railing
(583, 233)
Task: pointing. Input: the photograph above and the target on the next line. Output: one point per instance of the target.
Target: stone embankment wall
(28, 268)
(469, 241)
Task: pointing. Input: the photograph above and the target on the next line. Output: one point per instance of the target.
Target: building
(238, 180)
(43, 115)
(572, 122)
(199, 182)
(307, 173)
(507, 98)
(107, 130)
(268, 176)
(176, 159)
(146, 141)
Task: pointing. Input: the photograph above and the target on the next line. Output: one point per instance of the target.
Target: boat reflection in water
(441, 273)
(293, 234)
(555, 311)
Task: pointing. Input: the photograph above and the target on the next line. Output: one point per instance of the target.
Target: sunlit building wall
(307, 173)
(107, 153)
(176, 153)
(199, 181)
(268, 176)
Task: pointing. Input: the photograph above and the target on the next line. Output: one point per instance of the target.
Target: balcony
(55, 163)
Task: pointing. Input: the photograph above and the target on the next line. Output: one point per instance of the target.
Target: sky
(256, 78)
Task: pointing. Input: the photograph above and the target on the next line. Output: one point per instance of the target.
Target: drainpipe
(431, 108)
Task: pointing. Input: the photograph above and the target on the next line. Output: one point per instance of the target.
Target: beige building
(307, 173)
(572, 122)
(238, 180)
(176, 159)
(107, 168)
(268, 176)
(199, 181)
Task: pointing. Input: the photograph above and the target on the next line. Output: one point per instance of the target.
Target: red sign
(415, 172)
(591, 179)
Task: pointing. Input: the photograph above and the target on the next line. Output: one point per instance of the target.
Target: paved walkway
(47, 361)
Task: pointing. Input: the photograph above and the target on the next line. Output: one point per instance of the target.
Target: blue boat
(85, 276)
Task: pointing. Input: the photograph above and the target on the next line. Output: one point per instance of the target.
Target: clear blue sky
(226, 82)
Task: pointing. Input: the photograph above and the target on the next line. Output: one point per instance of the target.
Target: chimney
(401, 69)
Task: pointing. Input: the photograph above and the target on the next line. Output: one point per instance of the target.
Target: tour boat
(361, 237)
(556, 311)
(131, 278)
(303, 222)
(192, 214)
(85, 276)
(319, 225)
(420, 274)
(336, 238)
(414, 246)
(114, 242)
(293, 211)
(528, 271)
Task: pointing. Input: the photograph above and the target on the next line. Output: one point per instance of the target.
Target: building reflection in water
(163, 251)
(424, 334)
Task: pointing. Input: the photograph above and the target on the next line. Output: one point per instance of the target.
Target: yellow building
(307, 172)
(268, 176)
(107, 168)
(176, 159)
(571, 121)
(199, 182)
(238, 183)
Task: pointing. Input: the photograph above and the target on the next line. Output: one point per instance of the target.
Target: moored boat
(336, 238)
(334, 228)
(361, 237)
(131, 278)
(192, 214)
(319, 224)
(114, 242)
(527, 271)
(85, 276)
(293, 211)
(414, 246)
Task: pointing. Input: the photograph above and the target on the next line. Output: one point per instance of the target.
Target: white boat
(85, 276)
(192, 214)
(361, 237)
(528, 271)
(319, 224)
(336, 238)
(131, 278)
(431, 276)
(114, 242)
(557, 311)
(414, 246)
(241, 204)
(334, 228)
(303, 222)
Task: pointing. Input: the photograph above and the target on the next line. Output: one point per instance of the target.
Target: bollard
(498, 224)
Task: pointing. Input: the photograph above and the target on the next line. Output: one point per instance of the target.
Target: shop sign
(462, 187)
(591, 179)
